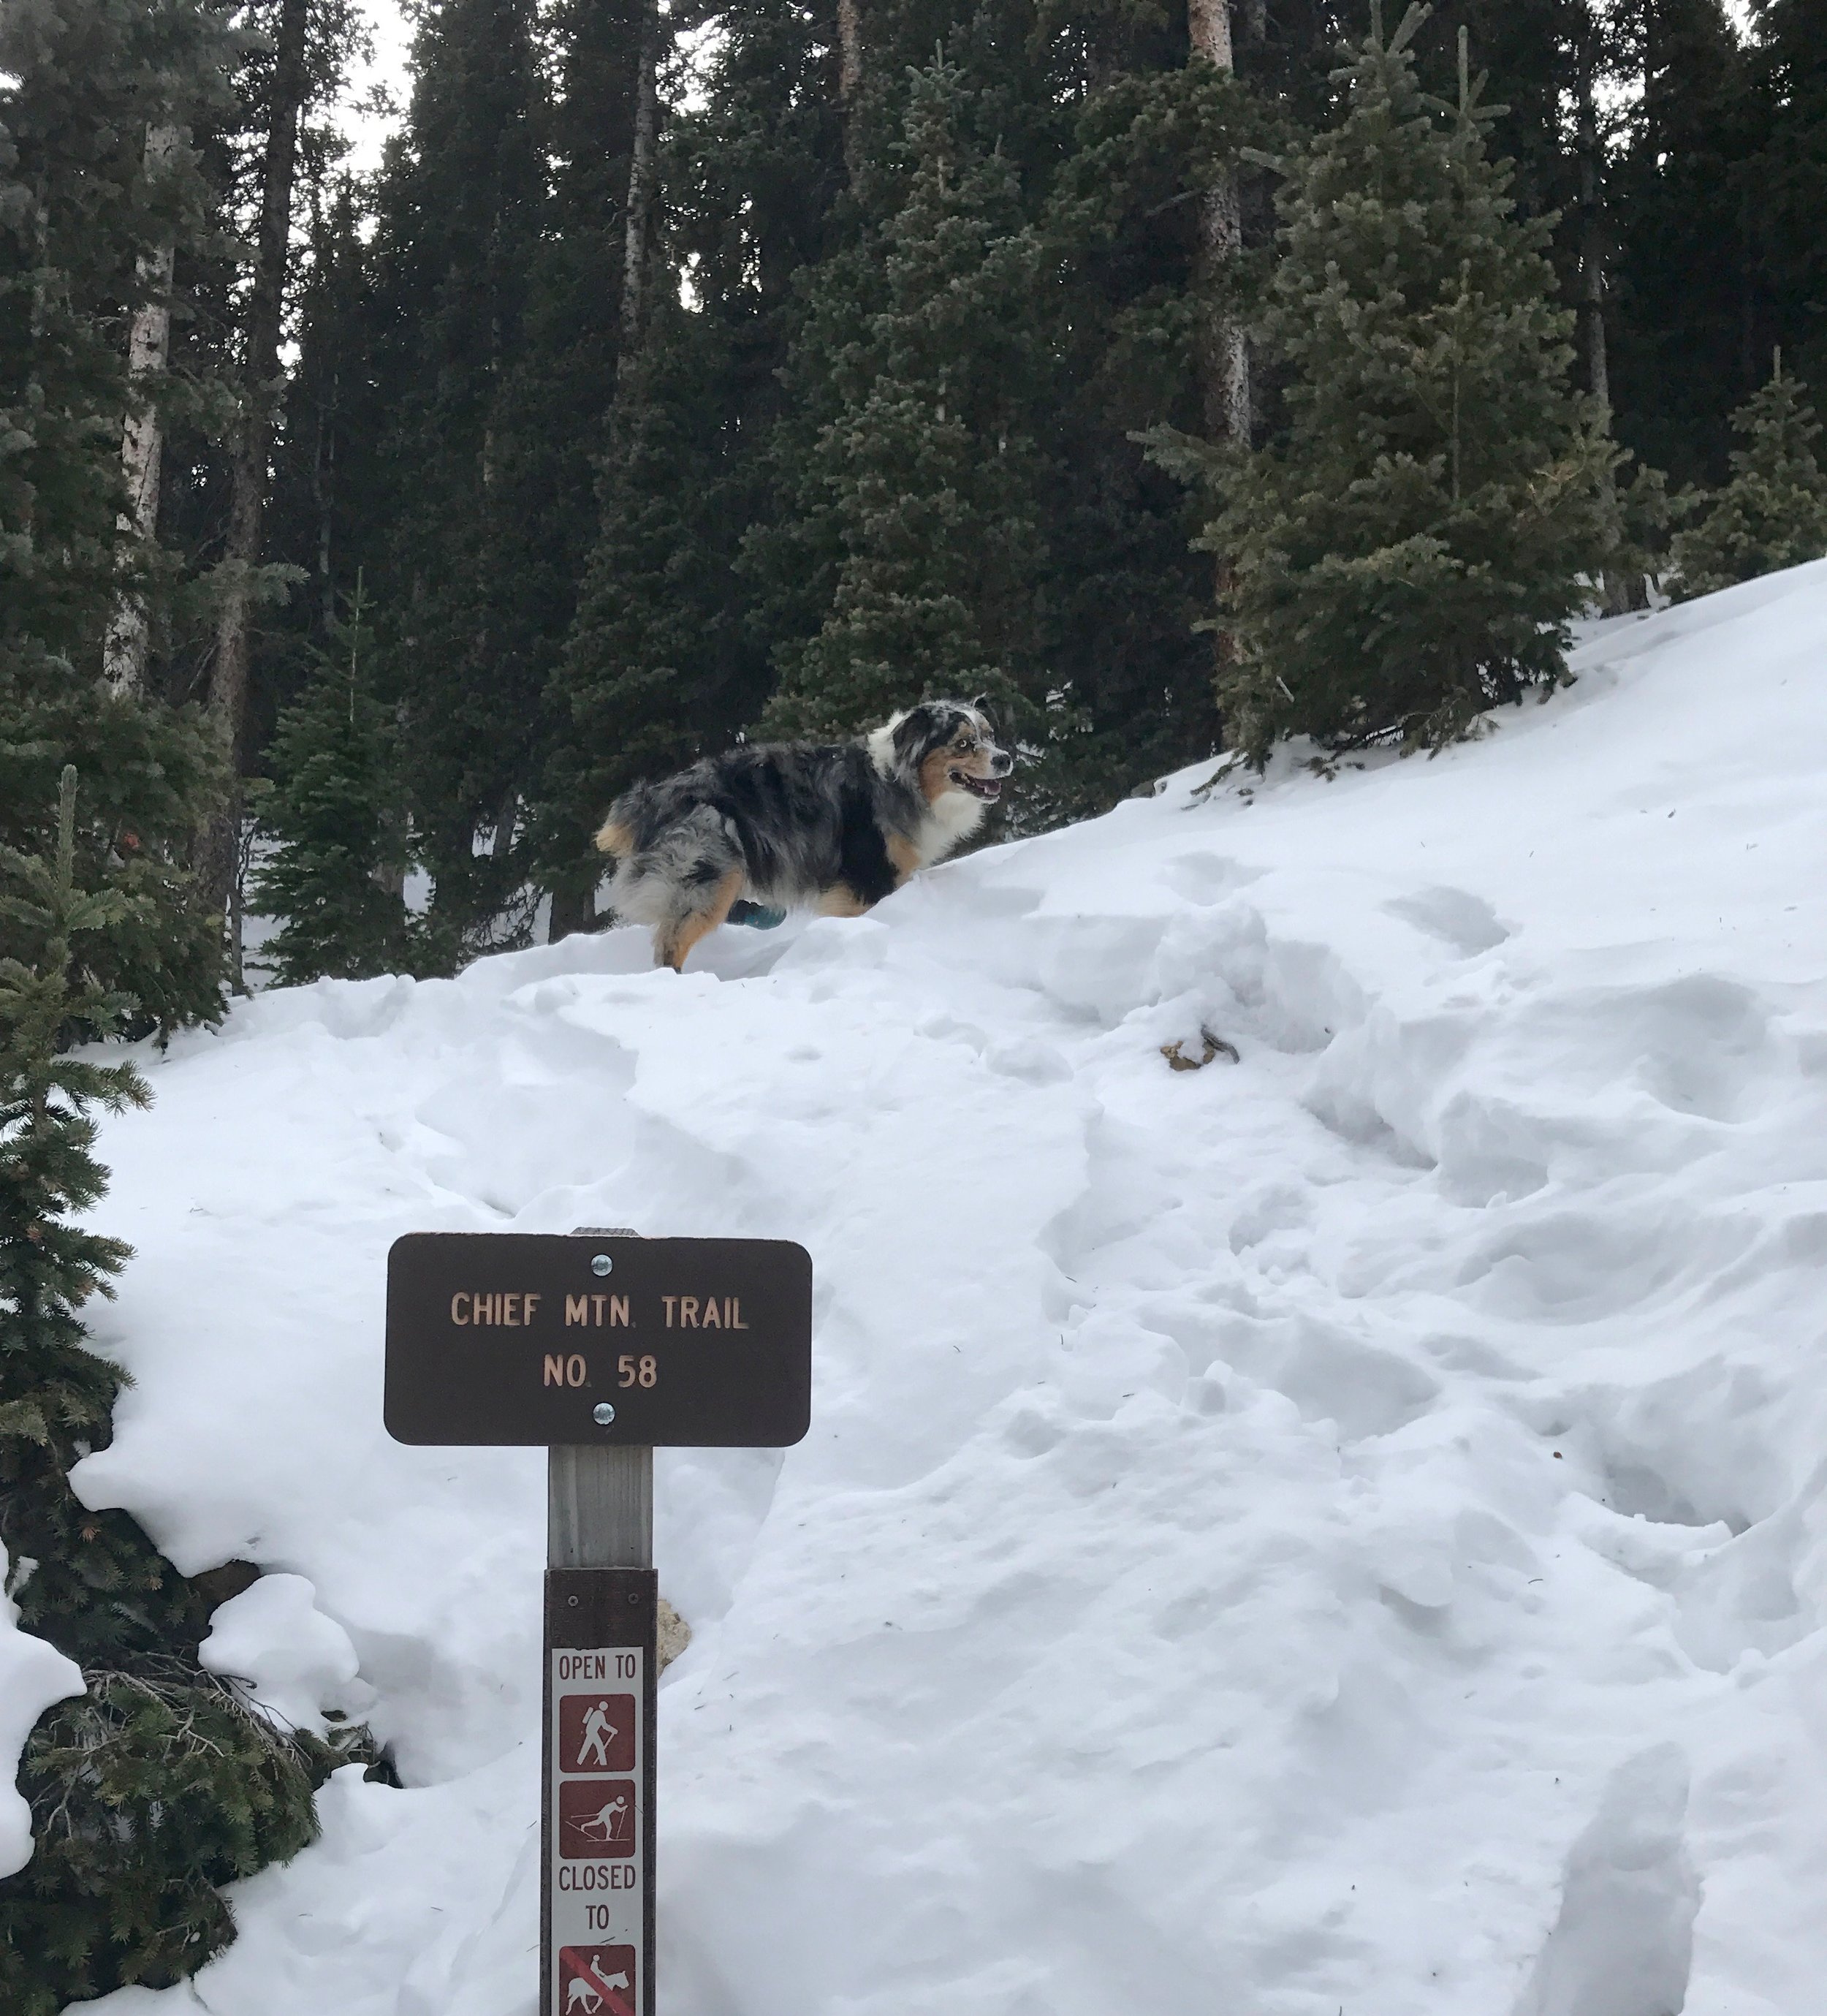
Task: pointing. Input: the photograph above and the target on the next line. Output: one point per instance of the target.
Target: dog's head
(941, 745)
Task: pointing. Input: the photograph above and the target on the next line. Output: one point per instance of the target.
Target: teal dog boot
(757, 917)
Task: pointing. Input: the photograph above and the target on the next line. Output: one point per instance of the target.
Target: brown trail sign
(497, 1338)
(599, 1345)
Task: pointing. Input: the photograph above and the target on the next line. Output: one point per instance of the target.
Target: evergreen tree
(1091, 142)
(1407, 555)
(159, 1784)
(483, 517)
(1143, 148)
(324, 481)
(1685, 313)
(657, 669)
(340, 846)
(930, 463)
(1773, 513)
(87, 225)
(667, 652)
(1784, 188)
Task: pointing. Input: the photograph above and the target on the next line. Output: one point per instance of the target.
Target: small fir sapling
(160, 1783)
(1773, 512)
(335, 875)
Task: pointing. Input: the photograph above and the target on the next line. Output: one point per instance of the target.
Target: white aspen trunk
(1224, 348)
(850, 79)
(149, 351)
(640, 209)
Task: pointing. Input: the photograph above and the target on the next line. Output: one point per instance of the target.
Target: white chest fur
(952, 818)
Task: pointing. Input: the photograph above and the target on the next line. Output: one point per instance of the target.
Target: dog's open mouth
(989, 789)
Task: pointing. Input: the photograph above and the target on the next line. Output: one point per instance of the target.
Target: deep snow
(1342, 1532)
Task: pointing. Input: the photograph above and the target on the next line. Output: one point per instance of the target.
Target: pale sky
(393, 38)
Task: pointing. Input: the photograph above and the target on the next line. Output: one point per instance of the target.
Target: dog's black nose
(1002, 763)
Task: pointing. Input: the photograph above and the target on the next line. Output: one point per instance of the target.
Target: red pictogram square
(596, 1981)
(596, 1733)
(596, 1817)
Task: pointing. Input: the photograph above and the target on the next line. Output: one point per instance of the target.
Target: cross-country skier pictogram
(596, 1818)
(610, 1822)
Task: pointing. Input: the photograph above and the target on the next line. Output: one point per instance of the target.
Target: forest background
(689, 371)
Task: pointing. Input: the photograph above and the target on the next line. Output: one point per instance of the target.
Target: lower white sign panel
(599, 1872)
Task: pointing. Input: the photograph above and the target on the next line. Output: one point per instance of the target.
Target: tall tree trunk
(850, 81)
(1223, 348)
(148, 350)
(641, 183)
(323, 491)
(1592, 243)
(1620, 594)
(573, 895)
(227, 704)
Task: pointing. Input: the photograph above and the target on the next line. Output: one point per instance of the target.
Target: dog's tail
(622, 832)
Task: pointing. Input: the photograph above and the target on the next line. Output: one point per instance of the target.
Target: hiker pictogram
(596, 1733)
(596, 1818)
(596, 1981)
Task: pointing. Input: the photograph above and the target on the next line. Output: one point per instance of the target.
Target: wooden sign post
(599, 1345)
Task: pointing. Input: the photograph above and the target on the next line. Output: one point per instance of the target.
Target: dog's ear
(916, 732)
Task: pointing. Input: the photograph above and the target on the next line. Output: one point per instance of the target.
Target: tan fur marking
(841, 900)
(615, 839)
(671, 949)
(933, 777)
(904, 857)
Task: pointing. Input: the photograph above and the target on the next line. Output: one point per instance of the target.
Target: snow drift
(1340, 1532)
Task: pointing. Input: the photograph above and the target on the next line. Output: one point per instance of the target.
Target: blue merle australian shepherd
(772, 827)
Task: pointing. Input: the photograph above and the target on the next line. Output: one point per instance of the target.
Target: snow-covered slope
(1340, 1531)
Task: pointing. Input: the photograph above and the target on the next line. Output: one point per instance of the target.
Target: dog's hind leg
(672, 941)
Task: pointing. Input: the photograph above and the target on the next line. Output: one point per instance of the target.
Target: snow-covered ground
(1342, 1532)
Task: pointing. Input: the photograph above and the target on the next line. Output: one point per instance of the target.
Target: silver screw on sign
(602, 1413)
(602, 1264)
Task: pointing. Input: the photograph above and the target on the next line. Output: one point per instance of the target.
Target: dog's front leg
(672, 942)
